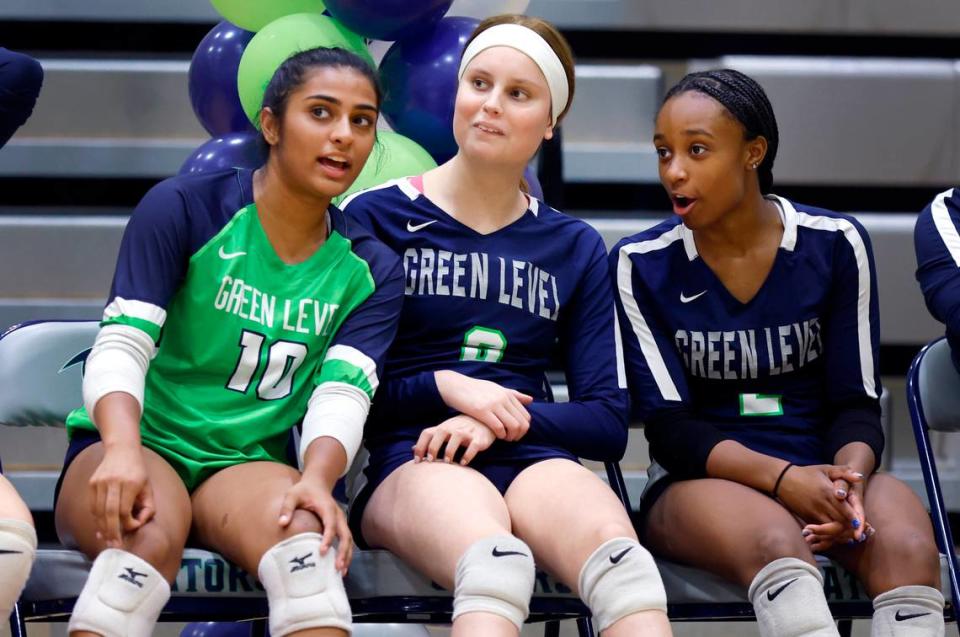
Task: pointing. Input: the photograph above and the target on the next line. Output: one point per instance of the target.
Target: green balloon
(279, 40)
(253, 15)
(393, 156)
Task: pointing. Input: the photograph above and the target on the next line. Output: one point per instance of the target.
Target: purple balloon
(237, 150)
(535, 190)
(216, 629)
(213, 80)
(419, 79)
(388, 19)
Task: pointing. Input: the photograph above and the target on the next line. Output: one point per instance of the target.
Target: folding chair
(933, 396)
(40, 372)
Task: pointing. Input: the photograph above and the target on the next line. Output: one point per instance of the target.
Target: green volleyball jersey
(243, 338)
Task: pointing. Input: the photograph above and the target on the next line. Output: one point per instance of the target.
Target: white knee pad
(304, 590)
(618, 579)
(914, 611)
(495, 575)
(18, 544)
(787, 598)
(123, 597)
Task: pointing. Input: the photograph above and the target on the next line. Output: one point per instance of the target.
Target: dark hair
(746, 101)
(290, 75)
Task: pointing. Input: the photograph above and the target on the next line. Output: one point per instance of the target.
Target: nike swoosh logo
(616, 558)
(687, 299)
(6, 552)
(499, 553)
(772, 595)
(226, 256)
(419, 226)
(903, 618)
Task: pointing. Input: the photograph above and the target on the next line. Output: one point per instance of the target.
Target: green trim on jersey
(151, 328)
(339, 371)
(243, 348)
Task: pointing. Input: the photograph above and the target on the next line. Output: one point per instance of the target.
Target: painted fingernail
(856, 523)
(806, 532)
(858, 474)
(851, 541)
(842, 493)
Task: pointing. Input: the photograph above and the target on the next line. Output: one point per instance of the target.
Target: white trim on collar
(534, 206)
(788, 216)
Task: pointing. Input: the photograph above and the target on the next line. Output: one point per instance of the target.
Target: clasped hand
(829, 500)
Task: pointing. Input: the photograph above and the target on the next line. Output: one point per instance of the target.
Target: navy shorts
(80, 440)
(387, 458)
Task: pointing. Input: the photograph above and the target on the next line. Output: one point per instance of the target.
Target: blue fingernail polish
(806, 532)
(842, 493)
(855, 523)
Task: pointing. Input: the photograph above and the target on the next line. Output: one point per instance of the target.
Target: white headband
(528, 42)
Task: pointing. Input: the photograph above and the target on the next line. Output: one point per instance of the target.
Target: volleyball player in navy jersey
(751, 332)
(937, 243)
(20, 79)
(473, 469)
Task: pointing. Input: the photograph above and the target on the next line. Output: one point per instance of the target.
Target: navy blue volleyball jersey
(937, 242)
(500, 307)
(770, 372)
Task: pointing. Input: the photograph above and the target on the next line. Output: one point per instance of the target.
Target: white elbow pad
(337, 410)
(118, 362)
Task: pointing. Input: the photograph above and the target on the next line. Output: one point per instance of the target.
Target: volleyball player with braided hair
(750, 332)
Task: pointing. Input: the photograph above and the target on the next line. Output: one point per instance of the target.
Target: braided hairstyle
(746, 101)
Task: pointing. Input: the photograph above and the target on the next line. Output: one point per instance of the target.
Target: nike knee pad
(304, 589)
(18, 544)
(618, 579)
(916, 611)
(495, 575)
(123, 597)
(787, 597)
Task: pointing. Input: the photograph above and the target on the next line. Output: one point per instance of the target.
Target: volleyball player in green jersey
(242, 303)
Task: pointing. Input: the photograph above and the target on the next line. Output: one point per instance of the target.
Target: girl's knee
(159, 546)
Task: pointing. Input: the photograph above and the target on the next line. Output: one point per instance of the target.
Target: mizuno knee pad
(123, 597)
(304, 590)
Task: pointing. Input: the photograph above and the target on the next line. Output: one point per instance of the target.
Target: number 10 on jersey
(283, 360)
(483, 344)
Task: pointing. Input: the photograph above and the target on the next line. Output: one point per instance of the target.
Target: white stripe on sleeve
(135, 309)
(618, 342)
(358, 359)
(945, 225)
(852, 235)
(648, 344)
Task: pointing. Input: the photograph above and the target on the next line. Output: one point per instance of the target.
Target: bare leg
(236, 513)
(555, 494)
(11, 506)
(903, 551)
(428, 514)
(744, 529)
(159, 542)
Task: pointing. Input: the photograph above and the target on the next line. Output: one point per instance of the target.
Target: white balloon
(481, 9)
